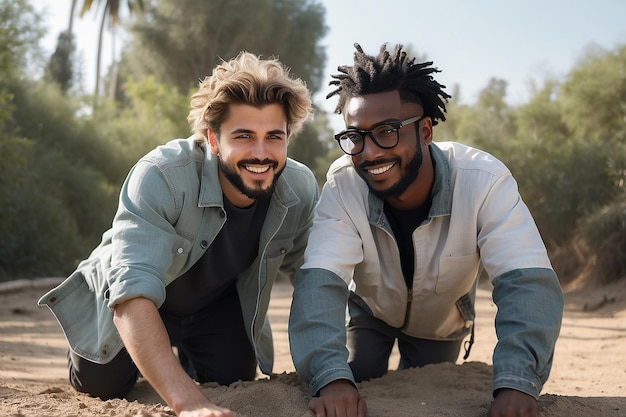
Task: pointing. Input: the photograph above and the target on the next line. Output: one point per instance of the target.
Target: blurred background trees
(64, 153)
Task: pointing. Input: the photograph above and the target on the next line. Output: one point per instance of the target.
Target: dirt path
(588, 376)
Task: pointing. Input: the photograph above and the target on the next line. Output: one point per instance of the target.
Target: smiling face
(404, 174)
(252, 151)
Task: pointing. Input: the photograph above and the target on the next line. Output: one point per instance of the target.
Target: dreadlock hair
(387, 72)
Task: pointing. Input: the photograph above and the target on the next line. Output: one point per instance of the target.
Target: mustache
(381, 161)
(256, 161)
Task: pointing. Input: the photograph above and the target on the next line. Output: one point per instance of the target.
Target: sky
(470, 41)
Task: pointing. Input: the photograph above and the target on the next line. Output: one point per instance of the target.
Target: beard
(256, 192)
(410, 175)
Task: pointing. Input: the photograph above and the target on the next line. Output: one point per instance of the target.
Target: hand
(339, 399)
(147, 342)
(513, 403)
(208, 411)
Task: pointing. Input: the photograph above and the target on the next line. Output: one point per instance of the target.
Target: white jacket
(477, 215)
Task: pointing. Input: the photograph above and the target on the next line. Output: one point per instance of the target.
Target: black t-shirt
(403, 223)
(234, 249)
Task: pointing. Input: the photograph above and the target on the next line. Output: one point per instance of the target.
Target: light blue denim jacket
(477, 221)
(170, 210)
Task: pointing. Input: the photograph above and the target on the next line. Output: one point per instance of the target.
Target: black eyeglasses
(386, 136)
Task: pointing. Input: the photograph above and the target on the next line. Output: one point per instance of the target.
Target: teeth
(258, 170)
(380, 170)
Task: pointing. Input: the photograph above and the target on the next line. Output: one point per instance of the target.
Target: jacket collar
(442, 197)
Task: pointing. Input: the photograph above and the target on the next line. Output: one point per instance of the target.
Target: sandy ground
(588, 376)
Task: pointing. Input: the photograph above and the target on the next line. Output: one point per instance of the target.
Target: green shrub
(605, 234)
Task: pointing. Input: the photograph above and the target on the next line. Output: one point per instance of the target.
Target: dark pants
(371, 340)
(212, 346)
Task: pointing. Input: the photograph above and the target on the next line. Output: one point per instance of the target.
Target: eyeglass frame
(363, 133)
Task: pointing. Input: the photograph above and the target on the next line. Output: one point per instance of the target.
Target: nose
(370, 149)
(258, 148)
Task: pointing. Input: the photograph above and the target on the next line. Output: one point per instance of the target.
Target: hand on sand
(207, 411)
(339, 399)
(513, 403)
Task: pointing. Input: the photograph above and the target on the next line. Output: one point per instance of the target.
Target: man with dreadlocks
(403, 229)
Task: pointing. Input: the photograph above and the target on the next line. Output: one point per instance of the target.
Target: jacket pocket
(275, 254)
(279, 247)
(457, 274)
(181, 250)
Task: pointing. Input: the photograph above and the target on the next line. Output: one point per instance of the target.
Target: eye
(385, 130)
(275, 137)
(353, 137)
(243, 136)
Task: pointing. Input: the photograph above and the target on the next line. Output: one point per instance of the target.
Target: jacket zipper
(409, 301)
(258, 294)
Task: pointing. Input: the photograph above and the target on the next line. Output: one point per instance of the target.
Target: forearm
(147, 342)
(317, 332)
(528, 321)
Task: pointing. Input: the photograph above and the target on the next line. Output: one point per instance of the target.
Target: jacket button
(222, 214)
(204, 244)
(283, 251)
(180, 250)
(53, 299)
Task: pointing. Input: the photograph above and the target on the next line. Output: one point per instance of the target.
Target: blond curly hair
(248, 79)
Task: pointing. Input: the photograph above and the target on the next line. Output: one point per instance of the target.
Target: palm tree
(110, 13)
(70, 26)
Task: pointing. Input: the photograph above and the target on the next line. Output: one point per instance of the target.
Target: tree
(593, 99)
(151, 114)
(54, 197)
(70, 24)
(20, 34)
(568, 152)
(59, 68)
(313, 145)
(594, 104)
(110, 13)
(490, 123)
(181, 41)
(56, 186)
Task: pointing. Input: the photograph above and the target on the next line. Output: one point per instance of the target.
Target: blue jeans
(212, 346)
(371, 340)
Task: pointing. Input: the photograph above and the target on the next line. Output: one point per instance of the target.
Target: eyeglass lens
(385, 136)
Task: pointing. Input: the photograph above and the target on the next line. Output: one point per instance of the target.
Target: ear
(212, 142)
(426, 130)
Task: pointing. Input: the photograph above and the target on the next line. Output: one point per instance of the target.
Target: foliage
(561, 176)
(62, 164)
(605, 235)
(12, 147)
(60, 199)
(20, 34)
(489, 124)
(59, 68)
(110, 14)
(594, 105)
(111, 8)
(152, 114)
(593, 109)
(449, 130)
(181, 41)
(311, 146)
(575, 162)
